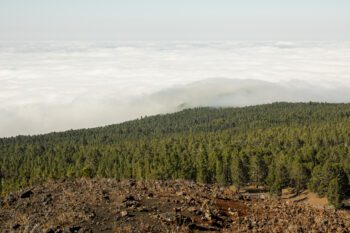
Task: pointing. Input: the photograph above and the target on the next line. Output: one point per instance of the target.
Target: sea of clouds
(54, 86)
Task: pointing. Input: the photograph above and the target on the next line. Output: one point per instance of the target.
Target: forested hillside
(301, 145)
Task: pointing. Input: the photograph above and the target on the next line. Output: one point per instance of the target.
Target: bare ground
(108, 205)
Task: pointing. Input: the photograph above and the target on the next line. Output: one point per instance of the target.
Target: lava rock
(16, 226)
(74, 229)
(10, 199)
(26, 194)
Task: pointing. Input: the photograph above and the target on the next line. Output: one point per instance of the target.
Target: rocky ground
(169, 206)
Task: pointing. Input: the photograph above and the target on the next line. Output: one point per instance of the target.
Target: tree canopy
(298, 145)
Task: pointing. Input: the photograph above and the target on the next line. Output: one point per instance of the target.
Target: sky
(83, 63)
(174, 20)
(55, 86)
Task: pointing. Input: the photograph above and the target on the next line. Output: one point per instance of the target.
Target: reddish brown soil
(159, 206)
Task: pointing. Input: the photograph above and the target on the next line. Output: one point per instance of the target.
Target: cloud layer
(53, 86)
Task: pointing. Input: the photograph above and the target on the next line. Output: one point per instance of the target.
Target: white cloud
(57, 86)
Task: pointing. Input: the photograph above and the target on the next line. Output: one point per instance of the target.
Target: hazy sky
(62, 85)
(84, 63)
(174, 20)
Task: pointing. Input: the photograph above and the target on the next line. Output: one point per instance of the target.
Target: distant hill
(299, 145)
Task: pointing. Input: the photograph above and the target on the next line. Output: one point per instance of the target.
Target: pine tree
(278, 177)
(219, 173)
(1, 188)
(299, 175)
(87, 172)
(258, 170)
(338, 188)
(202, 165)
(334, 193)
(240, 172)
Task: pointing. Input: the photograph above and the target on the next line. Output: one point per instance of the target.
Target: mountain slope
(301, 145)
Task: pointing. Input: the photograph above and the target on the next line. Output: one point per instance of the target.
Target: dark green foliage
(258, 170)
(330, 180)
(337, 190)
(278, 177)
(299, 175)
(334, 193)
(281, 144)
(338, 187)
(87, 172)
(1, 177)
(240, 172)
